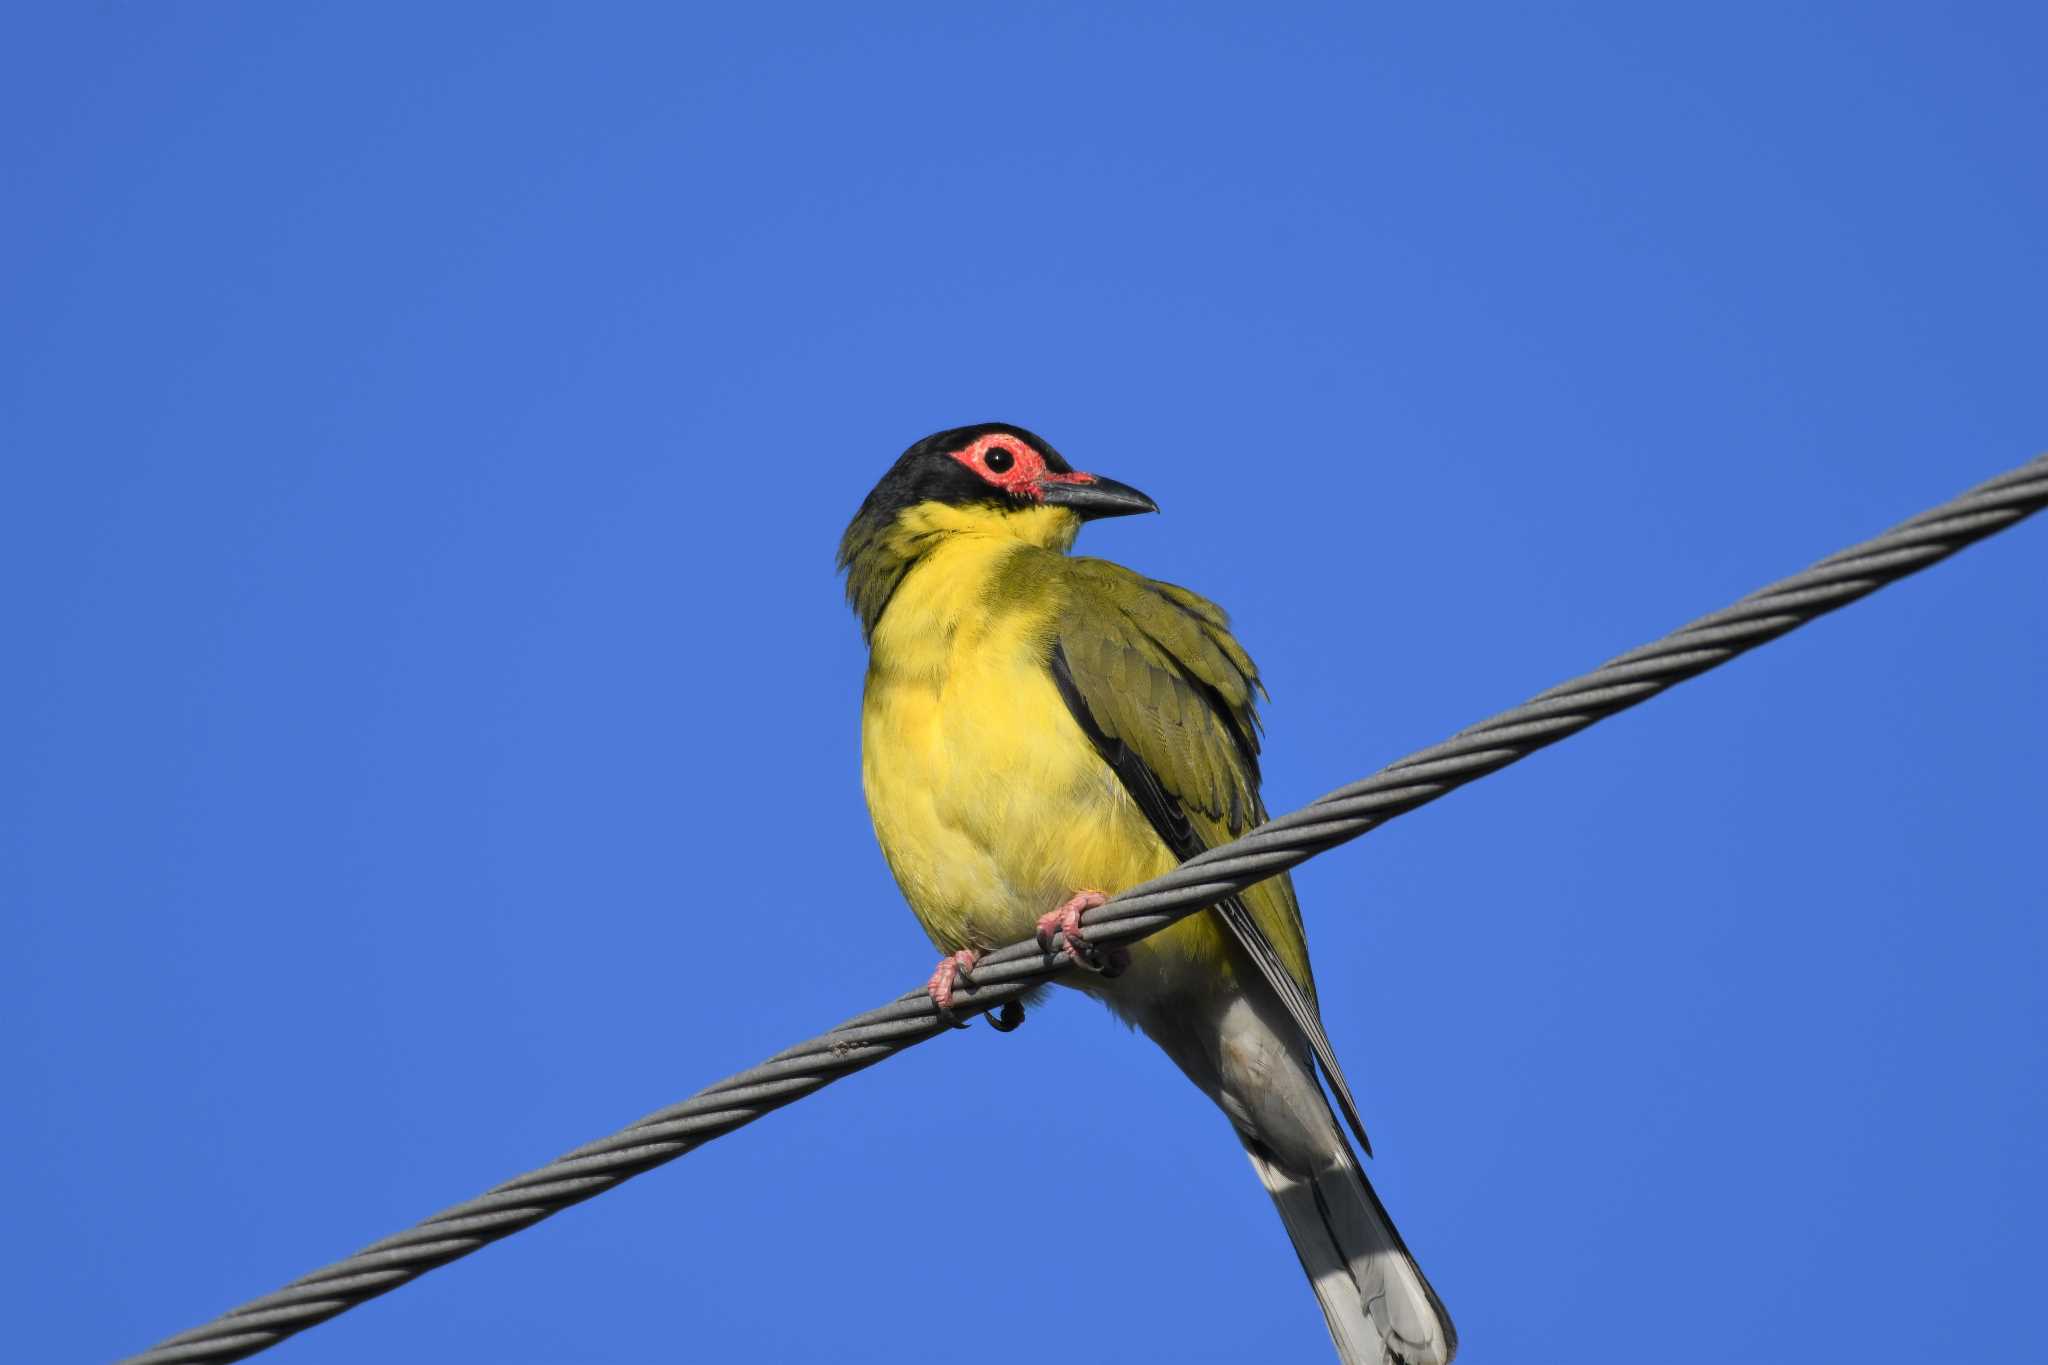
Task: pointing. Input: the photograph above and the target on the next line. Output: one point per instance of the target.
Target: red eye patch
(1013, 466)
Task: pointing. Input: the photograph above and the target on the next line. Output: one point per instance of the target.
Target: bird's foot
(1066, 923)
(946, 978)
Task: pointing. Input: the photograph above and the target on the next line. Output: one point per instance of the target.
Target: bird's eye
(998, 460)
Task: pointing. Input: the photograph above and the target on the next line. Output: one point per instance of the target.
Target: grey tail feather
(1299, 1007)
(1379, 1307)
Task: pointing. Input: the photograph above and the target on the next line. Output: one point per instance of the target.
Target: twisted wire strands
(1005, 975)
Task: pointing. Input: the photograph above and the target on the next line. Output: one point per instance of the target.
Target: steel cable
(1007, 974)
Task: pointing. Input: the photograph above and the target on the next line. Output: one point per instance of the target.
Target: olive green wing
(1152, 675)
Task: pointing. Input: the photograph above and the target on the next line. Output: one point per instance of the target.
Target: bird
(1040, 730)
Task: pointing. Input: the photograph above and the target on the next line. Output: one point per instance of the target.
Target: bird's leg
(1066, 921)
(951, 971)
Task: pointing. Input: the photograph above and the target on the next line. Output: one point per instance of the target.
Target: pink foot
(1066, 921)
(946, 977)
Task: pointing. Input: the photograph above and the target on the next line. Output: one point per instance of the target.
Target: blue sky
(428, 738)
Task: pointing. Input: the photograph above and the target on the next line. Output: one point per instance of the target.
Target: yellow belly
(990, 804)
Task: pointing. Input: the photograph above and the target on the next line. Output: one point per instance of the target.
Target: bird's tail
(1247, 1054)
(1377, 1303)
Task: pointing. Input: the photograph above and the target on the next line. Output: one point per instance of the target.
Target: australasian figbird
(1040, 731)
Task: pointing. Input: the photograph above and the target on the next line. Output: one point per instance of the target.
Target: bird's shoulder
(1154, 667)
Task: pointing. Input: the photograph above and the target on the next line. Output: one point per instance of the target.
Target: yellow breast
(990, 804)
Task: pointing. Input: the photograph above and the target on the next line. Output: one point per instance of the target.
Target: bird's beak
(1092, 496)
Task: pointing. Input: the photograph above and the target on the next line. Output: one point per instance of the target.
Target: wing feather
(1165, 694)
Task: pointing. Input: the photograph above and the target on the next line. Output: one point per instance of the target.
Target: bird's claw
(1007, 1019)
(1065, 923)
(946, 978)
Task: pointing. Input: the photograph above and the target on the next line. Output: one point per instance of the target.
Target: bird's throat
(964, 543)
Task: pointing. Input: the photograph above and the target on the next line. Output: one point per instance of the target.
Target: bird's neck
(951, 551)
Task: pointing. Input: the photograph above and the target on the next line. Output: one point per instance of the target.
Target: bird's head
(992, 479)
